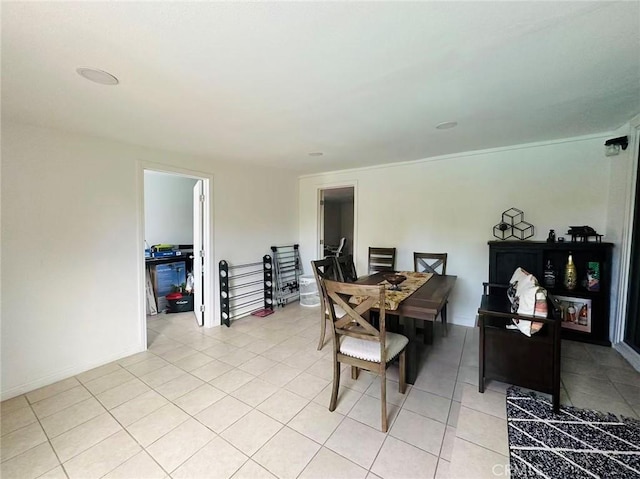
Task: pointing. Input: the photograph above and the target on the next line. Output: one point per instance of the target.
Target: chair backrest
(353, 323)
(324, 269)
(346, 269)
(435, 263)
(382, 259)
(343, 241)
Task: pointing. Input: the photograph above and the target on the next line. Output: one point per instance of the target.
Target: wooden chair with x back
(435, 263)
(346, 269)
(324, 269)
(357, 343)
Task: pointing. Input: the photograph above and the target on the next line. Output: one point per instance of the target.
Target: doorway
(632, 328)
(337, 221)
(176, 215)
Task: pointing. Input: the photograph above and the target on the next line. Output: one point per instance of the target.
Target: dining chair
(346, 269)
(435, 263)
(357, 343)
(382, 259)
(337, 251)
(324, 269)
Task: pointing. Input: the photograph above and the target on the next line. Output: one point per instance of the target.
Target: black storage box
(179, 303)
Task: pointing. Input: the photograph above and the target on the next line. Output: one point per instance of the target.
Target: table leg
(409, 330)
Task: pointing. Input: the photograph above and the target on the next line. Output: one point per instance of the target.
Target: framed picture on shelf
(576, 313)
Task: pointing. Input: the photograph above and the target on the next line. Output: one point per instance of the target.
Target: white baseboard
(629, 354)
(64, 374)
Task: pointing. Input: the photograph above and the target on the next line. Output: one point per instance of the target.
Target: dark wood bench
(508, 355)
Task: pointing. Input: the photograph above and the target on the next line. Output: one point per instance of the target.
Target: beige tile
(415, 462)
(236, 358)
(586, 401)
(221, 414)
(497, 386)
(457, 392)
(22, 440)
(179, 386)
(447, 444)
(393, 391)
(56, 403)
(489, 402)
(55, 473)
(123, 393)
(304, 358)
(435, 384)
(483, 429)
(259, 346)
(347, 398)
(108, 381)
(316, 422)
(13, 404)
(287, 453)
(329, 464)
(211, 370)
(428, 405)
(577, 383)
(254, 392)
(283, 405)
(219, 350)
(148, 365)
(454, 414)
(139, 466)
(307, 385)
(30, 464)
(139, 407)
(280, 353)
(152, 427)
(630, 393)
(420, 431)
(471, 461)
(164, 346)
(178, 353)
(624, 376)
(136, 358)
(468, 375)
(162, 375)
(280, 374)
(198, 399)
(71, 417)
(252, 470)
(442, 472)
(322, 368)
(217, 460)
(84, 436)
(257, 365)
(180, 444)
(12, 421)
(232, 380)
(98, 372)
(52, 389)
(193, 361)
(364, 381)
(356, 442)
(103, 457)
(368, 411)
(578, 366)
(251, 432)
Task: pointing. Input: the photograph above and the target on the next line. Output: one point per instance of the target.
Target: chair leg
(336, 385)
(354, 373)
(383, 396)
(323, 329)
(403, 373)
(443, 317)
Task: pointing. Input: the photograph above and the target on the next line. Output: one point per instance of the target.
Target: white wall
(168, 208)
(451, 204)
(71, 250)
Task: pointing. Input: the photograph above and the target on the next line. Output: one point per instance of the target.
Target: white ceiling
(364, 83)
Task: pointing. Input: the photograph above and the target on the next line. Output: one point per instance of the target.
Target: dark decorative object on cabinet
(513, 225)
(533, 256)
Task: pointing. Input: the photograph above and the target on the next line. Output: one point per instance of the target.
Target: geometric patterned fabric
(575, 443)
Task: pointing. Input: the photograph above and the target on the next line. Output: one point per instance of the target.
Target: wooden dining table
(423, 306)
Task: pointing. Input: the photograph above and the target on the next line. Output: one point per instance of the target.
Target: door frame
(319, 249)
(625, 254)
(208, 293)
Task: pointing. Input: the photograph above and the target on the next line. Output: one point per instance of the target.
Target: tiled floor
(252, 401)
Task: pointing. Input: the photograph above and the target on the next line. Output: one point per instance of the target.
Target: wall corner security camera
(612, 147)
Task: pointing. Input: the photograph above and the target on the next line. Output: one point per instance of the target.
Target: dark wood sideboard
(506, 256)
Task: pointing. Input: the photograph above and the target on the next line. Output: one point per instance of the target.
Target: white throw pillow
(527, 297)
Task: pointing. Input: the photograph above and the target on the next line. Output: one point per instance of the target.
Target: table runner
(393, 298)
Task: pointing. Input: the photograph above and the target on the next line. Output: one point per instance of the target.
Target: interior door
(321, 226)
(198, 252)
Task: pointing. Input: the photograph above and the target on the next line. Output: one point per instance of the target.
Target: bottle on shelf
(583, 316)
(570, 274)
(549, 275)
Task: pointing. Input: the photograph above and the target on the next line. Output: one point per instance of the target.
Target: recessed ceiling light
(446, 125)
(97, 76)
(316, 153)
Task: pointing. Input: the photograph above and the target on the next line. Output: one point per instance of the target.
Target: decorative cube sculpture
(513, 225)
(512, 216)
(523, 230)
